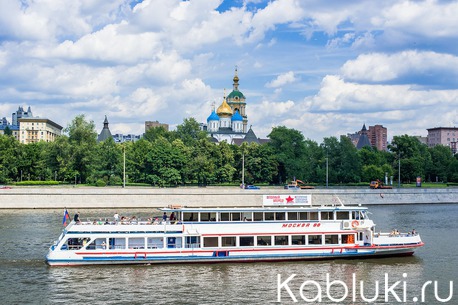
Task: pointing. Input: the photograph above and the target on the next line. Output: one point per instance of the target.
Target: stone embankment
(133, 197)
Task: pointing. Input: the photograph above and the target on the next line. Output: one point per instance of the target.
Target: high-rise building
(447, 136)
(378, 136)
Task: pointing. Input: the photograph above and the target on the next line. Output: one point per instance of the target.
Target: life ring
(354, 223)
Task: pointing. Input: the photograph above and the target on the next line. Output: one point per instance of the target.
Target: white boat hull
(227, 256)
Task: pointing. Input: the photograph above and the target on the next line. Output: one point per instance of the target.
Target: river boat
(284, 228)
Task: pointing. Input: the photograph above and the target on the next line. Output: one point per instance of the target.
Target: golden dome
(224, 108)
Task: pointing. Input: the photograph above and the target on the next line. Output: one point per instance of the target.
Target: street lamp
(327, 168)
(124, 168)
(399, 171)
(327, 171)
(243, 170)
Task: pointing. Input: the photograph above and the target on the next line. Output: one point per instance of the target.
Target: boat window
(281, 240)
(75, 243)
(342, 215)
(355, 215)
(136, 243)
(327, 216)
(224, 217)
(315, 239)
(313, 216)
(280, 216)
(97, 244)
(331, 239)
(155, 243)
(188, 216)
(173, 242)
(292, 215)
(246, 241)
(247, 216)
(258, 216)
(298, 239)
(348, 238)
(235, 216)
(304, 215)
(228, 241)
(264, 241)
(192, 242)
(210, 241)
(269, 216)
(208, 216)
(117, 243)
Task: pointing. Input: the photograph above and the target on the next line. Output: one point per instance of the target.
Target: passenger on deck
(164, 217)
(172, 217)
(116, 216)
(414, 232)
(76, 218)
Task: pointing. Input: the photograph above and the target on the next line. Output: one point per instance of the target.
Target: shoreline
(151, 197)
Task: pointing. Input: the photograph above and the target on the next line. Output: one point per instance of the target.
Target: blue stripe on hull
(213, 259)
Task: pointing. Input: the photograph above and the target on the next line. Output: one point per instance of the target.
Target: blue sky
(321, 67)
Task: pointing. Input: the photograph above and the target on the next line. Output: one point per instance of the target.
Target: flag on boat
(66, 216)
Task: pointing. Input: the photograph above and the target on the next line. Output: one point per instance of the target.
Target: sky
(324, 68)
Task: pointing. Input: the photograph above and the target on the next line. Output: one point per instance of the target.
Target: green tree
(261, 164)
(7, 131)
(154, 133)
(108, 162)
(58, 156)
(137, 161)
(224, 160)
(441, 157)
(189, 132)
(414, 157)
(330, 147)
(202, 168)
(453, 170)
(83, 140)
(349, 165)
(31, 159)
(289, 148)
(8, 157)
(168, 161)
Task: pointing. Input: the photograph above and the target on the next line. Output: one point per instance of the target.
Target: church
(229, 121)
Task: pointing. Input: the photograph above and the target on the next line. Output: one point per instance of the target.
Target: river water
(26, 279)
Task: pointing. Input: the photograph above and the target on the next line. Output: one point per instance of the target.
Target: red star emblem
(289, 199)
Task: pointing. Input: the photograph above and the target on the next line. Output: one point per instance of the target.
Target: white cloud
(430, 18)
(383, 67)
(282, 80)
(276, 12)
(377, 61)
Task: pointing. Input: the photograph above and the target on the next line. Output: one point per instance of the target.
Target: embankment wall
(107, 197)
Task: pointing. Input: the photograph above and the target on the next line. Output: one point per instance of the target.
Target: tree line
(186, 156)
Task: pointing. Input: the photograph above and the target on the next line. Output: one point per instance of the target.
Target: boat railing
(136, 222)
(395, 234)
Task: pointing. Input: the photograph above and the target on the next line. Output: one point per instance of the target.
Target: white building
(229, 121)
(34, 129)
